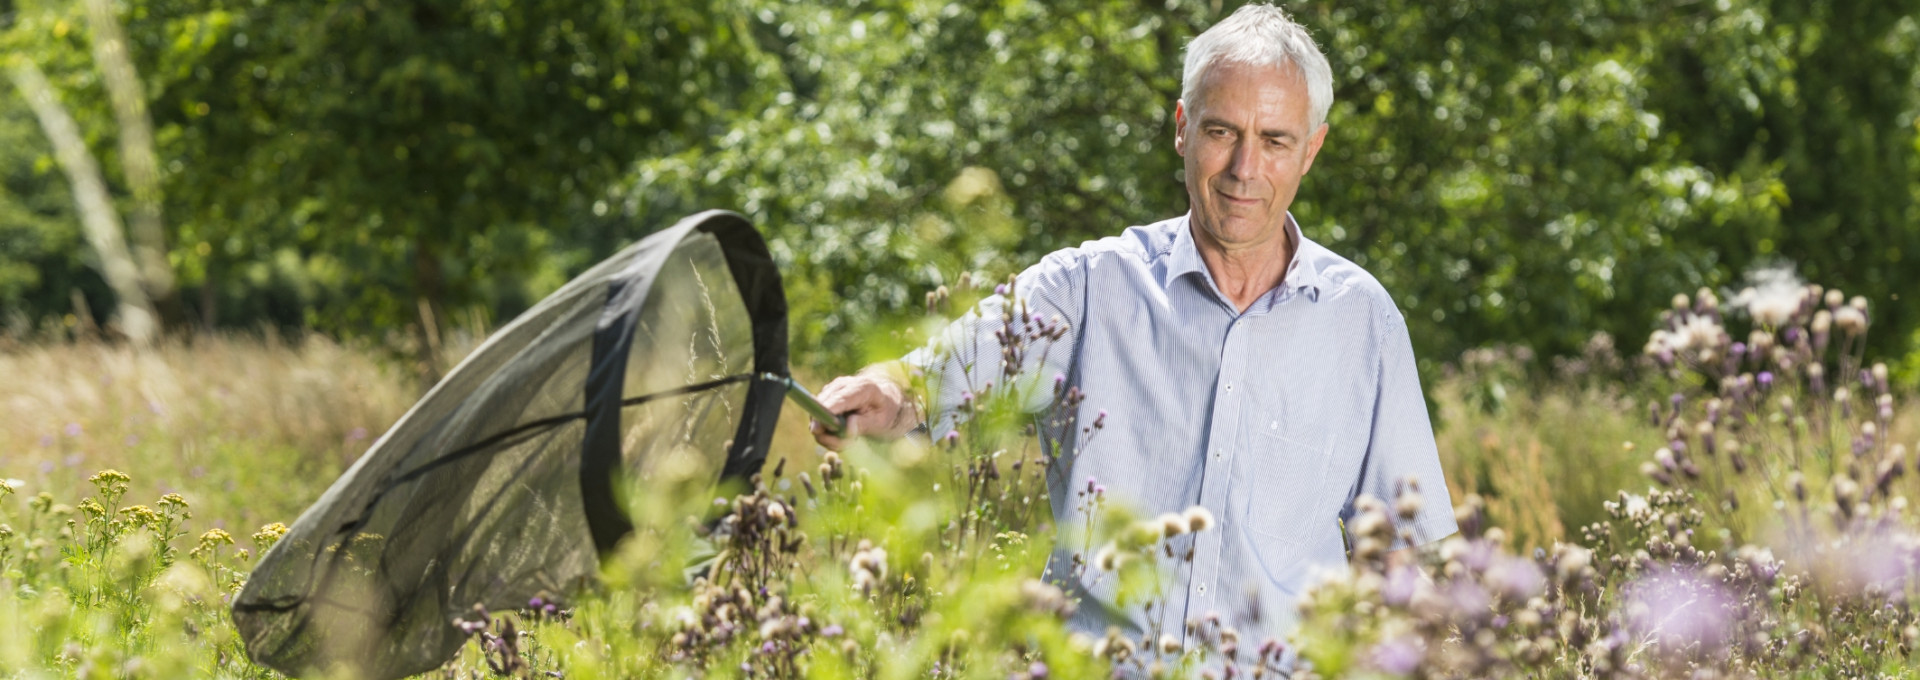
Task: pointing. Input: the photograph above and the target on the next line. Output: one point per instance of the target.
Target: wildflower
(73, 429)
(140, 515)
(269, 534)
(1680, 608)
(1822, 322)
(1407, 505)
(1108, 558)
(211, 541)
(1573, 561)
(1198, 519)
(110, 479)
(1168, 645)
(1769, 309)
(1398, 656)
(1171, 525)
(776, 512)
(8, 486)
(1852, 320)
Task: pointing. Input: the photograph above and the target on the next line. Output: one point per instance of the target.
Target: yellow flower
(269, 535)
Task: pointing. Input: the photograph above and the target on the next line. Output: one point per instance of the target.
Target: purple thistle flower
(550, 609)
(952, 437)
(1681, 609)
(46, 440)
(1515, 578)
(1766, 380)
(832, 630)
(73, 429)
(1399, 656)
(1400, 585)
(536, 603)
(1037, 671)
(1000, 289)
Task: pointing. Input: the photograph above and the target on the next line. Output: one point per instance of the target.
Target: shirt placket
(1203, 589)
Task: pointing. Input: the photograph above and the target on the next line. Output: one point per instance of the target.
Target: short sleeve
(1401, 446)
(1043, 311)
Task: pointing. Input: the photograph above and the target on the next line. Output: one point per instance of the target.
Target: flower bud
(1198, 519)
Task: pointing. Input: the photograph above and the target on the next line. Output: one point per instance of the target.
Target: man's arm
(1401, 445)
(1039, 317)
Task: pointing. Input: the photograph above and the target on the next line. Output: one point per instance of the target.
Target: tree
(416, 151)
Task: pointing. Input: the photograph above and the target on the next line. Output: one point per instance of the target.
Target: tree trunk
(136, 315)
(137, 159)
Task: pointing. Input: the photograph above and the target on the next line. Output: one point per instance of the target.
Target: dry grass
(249, 429)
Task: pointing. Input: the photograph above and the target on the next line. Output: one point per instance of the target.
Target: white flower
(1851, 320)
(1636, 505)
(1198, 519)
(1699, 333)
(1773, 298)
(1171, 525)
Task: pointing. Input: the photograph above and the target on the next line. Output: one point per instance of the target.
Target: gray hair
(1262, 35)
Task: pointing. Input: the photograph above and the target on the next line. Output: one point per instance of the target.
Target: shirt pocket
(1287, 491)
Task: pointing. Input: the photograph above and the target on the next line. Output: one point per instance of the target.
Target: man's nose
(1244, 165)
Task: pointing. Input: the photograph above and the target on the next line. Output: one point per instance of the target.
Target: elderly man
(1239, 366)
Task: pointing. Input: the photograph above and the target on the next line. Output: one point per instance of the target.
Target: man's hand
(874, 405)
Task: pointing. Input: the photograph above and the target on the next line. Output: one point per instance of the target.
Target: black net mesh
(476, 495)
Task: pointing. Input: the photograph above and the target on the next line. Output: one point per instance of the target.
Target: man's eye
(1218, 133)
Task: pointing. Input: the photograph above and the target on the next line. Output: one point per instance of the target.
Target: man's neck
(1245, 273)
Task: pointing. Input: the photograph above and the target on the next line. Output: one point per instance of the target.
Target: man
(1238, 365)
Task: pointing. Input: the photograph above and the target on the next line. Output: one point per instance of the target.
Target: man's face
(1246, 145)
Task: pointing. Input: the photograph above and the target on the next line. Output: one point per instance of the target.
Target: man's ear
(1180, 127)
(1313, 147)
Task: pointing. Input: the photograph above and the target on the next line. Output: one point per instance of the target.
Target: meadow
(1702, 507)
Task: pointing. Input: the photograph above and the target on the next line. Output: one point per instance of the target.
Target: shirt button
(1203, 589)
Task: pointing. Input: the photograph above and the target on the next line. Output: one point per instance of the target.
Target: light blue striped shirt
(1276, 419)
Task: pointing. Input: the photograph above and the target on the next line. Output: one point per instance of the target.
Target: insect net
(499, 484)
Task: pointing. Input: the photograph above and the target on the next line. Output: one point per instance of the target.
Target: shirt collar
(1183, 258)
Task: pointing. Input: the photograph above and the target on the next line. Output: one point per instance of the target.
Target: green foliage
(1514, 172)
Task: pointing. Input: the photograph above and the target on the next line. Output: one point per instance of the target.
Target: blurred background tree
(1514, 172)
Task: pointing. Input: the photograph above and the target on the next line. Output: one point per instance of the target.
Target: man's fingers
(831, 442)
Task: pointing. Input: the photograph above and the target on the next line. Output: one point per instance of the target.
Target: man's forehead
(1266, 87)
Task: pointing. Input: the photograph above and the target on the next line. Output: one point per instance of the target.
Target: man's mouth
(1236, 200)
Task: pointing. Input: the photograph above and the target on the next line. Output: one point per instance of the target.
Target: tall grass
(249, 429)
